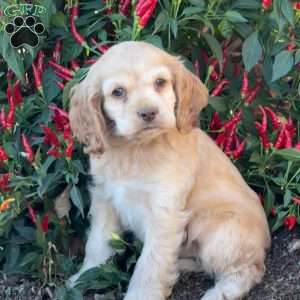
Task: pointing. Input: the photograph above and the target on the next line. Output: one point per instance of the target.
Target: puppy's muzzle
(148, 114)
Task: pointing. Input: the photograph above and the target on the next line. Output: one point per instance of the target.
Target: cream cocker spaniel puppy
(157, 175)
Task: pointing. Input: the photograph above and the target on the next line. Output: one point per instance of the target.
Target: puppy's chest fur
(142, 188)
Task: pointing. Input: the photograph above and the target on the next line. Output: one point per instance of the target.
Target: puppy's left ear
(192, 96)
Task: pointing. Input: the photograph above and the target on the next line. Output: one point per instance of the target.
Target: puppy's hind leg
(104, 222)
(233, 286)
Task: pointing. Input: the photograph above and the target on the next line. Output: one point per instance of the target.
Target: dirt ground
(281, 282)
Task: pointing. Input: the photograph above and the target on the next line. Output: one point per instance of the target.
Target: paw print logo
(24, 31)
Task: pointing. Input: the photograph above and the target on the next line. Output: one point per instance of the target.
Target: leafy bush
(246, 52)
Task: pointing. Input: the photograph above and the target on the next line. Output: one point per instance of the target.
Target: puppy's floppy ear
(192, 96)
(86, 119)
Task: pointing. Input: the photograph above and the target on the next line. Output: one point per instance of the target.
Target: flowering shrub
(246, 52)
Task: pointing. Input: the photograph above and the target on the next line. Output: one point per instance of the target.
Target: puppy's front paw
(144, 294)
(71, 282)
(213, 294)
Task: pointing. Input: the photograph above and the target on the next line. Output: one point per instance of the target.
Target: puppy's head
(134, 90)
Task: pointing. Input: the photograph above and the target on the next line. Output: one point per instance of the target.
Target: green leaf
(12, 256)
(26, 232)
(287, 11)
(246, 4)
(41, 238)
(161, 21)
(50, 87)
(77, 199)
(11, 56)
(154, 40)
(283, 63)
(267, 68)
(70, 50)
(29, 259)
(46, 183)
(225, 28)
(287, 198)
(74, 294)
(174, 27)
(218, 103)
(189, 11)
(243, 29)
(50, 9)
(200, 3)
(279, 221)
(251, 51)
(59, 19)
(289, 154)
(269, 200)
(60, 293)
(215, 47)
(297, 56)
(235, 17)
(280, 18)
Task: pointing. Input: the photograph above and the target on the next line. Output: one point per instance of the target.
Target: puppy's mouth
(150, 127)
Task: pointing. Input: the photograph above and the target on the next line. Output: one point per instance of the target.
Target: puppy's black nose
(148, 114)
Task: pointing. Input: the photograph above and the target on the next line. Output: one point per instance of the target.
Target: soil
(281, 281)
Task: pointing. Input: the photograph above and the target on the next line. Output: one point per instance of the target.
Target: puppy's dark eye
(160, 82)
(119, 92)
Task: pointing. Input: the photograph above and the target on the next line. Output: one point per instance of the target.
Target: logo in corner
(24, 30)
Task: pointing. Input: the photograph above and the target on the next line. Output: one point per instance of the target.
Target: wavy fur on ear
(192, 96)
(87, 121)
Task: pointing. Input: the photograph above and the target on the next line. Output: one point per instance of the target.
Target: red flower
(274, 119)
(54, 152)
(60, 118)
(273, 211)
(68, 133)
(237, 153)
(216, 122)
(14, 94)
(45, 223)
(50, 137)
(18, 98)
(296, 200)
(3, 118)
(101, 48)
(37, 78)
(290, 46)
(219, 87)
(262, 128)
(252, 93)
(290, 221)
(290, 127)
(4, 181)
(124, 7)
(27, 148)
(40, 61)
(266, 4)
(60, 84)
(57, 51)
(32, 214)
(69, 149)
(144, 10)
(297, 5)
(11, 115)
(3, 155)
(245, 85)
